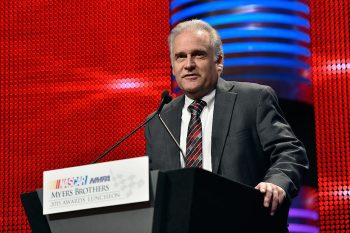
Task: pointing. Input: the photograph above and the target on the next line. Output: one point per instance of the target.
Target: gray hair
(196, 25)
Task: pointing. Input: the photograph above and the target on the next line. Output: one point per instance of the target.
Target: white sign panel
(97, 185)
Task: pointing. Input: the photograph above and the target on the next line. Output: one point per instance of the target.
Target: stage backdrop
(75, 77)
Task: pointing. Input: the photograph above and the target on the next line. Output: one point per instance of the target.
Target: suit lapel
(223, 108)
(172, 118)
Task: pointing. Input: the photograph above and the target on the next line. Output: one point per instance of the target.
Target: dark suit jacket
(251, 140)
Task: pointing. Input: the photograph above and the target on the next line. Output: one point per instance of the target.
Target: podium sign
(97, 185)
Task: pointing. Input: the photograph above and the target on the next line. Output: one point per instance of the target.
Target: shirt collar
(209, 99)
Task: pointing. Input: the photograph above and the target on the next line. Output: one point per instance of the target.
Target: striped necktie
(194, 154)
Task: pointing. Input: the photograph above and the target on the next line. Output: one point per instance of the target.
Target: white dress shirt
(207, 123)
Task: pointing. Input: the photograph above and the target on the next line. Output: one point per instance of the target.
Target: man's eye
(200, 55)
(180, 58)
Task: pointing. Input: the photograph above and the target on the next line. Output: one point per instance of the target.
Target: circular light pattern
(264, 41)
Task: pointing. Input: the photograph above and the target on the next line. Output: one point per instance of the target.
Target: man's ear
(220, 59)
(220, 64)
(220, 68)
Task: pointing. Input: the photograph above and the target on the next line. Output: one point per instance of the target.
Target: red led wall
(331, 86)
(75, 77)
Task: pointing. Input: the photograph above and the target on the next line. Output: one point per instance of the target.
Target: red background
(331, 87)
(78, 75)
(75, 77)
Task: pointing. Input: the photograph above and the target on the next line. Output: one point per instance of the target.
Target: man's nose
(189, 65)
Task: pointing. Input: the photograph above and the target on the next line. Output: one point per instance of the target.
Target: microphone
(166, 98)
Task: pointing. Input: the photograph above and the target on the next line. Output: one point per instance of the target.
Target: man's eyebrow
(201, 51)
(196, 51)
(179, 53)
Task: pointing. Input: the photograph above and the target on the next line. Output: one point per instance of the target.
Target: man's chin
(192, 93)
(191, 86)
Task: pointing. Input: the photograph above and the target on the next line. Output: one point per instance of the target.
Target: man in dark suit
(237, 129)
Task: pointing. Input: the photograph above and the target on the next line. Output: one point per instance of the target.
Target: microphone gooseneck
(166, 99)
(172, 137)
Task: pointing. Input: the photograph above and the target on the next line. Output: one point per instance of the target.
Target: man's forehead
(193, 32)
(192, 40)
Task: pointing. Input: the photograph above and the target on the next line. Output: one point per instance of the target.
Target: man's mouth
(190, 76)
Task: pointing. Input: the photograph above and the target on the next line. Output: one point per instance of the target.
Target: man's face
(194, 64)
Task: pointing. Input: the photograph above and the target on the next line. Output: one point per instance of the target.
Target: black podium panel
(195, 200)
(34, 211)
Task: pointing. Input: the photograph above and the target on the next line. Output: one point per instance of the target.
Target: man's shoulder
(238, 85)
(248, 91)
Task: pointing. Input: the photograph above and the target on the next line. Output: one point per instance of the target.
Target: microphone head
(166, 97)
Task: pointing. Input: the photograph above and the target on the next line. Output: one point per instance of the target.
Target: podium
(185, 200)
